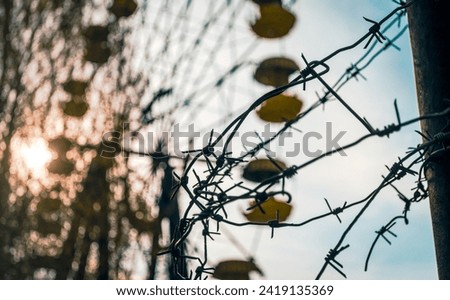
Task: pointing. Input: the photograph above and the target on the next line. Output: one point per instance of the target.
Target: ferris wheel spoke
(178, 23)
(214, 51)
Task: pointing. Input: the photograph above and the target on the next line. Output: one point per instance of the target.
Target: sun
(35, 155)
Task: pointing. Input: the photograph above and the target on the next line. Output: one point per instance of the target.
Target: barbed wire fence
(212, 194)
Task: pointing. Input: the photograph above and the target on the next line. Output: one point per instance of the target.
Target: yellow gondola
(60, 145)
(97, 52)
(96, 33)
(274, 22)
(275, 71)
(262, 169)
(61, 166)
(123, 8)
(272, 208)
(47, 205)
(75, 87)
(235, 270)
(75, 108)
(281, 108)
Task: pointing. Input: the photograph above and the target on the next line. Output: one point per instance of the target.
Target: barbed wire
(211, 195)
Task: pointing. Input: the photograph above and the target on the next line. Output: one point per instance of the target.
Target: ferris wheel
(204, 72)
(97, 159)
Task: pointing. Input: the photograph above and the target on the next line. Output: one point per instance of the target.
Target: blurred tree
(66, 77)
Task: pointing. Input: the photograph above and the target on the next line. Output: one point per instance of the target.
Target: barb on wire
(396, 172)
(381, 233)
(375, 32)
(331, 259)
(337, 210)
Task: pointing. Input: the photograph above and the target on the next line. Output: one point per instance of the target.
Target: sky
(298, 253)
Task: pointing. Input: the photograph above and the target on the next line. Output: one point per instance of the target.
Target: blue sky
(390, 77)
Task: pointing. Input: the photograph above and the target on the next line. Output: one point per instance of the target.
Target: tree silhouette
(67, 77)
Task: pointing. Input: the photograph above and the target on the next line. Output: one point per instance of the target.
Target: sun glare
(35, 155)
